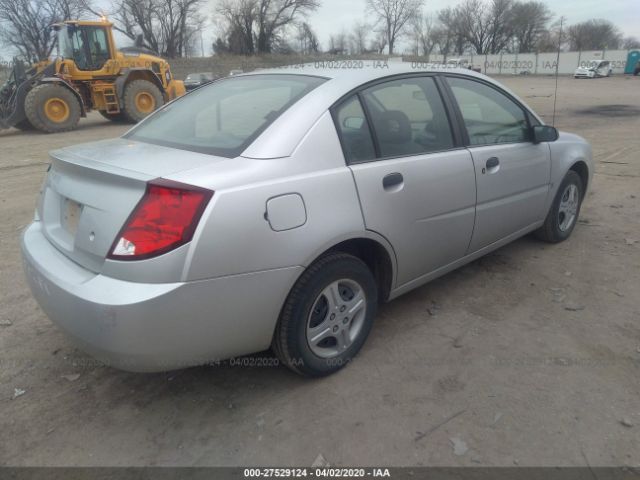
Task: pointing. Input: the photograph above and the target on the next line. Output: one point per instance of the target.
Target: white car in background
(594, 69)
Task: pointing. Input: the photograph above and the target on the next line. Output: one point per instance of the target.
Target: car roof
(343, 76)
(346, 75)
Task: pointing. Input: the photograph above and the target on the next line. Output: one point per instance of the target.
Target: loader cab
(88, 44)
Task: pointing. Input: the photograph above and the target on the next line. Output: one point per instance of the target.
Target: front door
(512, 173)
(415, 187)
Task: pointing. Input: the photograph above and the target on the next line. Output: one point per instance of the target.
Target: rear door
(513, 174)
(416, 184)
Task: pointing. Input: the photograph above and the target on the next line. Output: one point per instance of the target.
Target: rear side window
(409, 117)
(225, 117)
(354, 132)
(489, 116)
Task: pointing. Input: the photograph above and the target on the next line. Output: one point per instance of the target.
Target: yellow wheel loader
(88, 74)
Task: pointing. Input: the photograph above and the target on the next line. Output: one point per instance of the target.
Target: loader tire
(141, 98)
(114, 117)
(52, 108)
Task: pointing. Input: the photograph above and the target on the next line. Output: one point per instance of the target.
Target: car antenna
(555, 95)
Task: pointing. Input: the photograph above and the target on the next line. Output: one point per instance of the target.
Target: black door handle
(392, 180)
(493, 162)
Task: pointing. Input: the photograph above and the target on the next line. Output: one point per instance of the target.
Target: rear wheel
(327, 316)
(52, 108)
(565, 210)
(141, 98)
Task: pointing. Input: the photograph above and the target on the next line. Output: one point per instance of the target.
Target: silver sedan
(280, 208)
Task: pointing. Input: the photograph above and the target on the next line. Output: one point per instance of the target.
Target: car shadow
(230, 380)
(236, 404)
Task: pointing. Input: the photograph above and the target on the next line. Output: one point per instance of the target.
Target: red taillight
(165, 218)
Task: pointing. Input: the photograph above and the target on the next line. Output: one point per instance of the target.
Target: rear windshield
(225, 117)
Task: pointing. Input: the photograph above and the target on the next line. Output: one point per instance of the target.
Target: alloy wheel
(336, 318)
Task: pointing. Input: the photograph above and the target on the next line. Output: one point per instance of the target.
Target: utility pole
(555, 96)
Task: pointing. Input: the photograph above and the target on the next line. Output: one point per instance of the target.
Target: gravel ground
(529, 356)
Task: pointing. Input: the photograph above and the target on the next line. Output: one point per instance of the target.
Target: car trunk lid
(92, 189)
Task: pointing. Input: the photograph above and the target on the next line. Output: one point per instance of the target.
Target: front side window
(225, 117)
(354, 132)
(409, 117)
(489, 116)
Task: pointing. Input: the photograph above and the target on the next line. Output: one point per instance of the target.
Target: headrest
(393, 126)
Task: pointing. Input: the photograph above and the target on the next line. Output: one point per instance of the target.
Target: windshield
(65, 43)
(225, 117)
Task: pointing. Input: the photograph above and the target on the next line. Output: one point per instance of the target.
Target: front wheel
(327, 316)
(565, 210)
(52, 108)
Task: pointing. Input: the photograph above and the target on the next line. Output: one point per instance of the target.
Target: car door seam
(364, 224)
(475, 213)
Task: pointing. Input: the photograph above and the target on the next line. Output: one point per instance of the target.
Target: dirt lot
(530, 356)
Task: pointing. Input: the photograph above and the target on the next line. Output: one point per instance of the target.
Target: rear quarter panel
(235, 237)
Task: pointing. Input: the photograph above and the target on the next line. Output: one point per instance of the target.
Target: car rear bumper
(155, 327)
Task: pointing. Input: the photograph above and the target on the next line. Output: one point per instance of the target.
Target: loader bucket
(13, 94)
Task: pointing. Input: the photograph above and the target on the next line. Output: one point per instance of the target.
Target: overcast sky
(335, 15)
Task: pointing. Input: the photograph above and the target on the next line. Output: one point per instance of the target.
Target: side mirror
(544, 133)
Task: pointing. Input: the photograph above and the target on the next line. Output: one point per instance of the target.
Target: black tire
(131, 110)
(24, 125)
(114, 117)
(551, 231)
(290, 340)
(36, 103)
